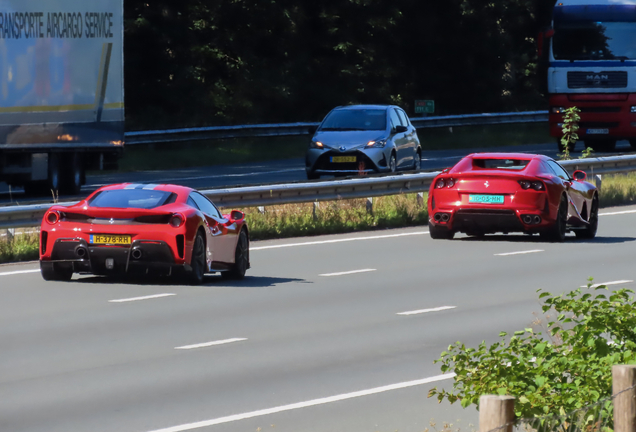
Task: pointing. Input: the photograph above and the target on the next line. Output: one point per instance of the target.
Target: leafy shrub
(567, 369)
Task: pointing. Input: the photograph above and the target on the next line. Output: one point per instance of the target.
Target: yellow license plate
(343, 159)
(110, 239)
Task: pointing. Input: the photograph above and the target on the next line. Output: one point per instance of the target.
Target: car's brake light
(536, 185)
(176, 220)
(441, 183)
(52, 217)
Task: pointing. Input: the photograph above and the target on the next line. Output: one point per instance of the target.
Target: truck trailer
(592, 65)
(61, 91)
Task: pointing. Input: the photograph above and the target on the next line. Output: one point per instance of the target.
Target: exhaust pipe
(438, 217)
(445, 217)
(81, 252)
(527, 219)
(536, 220)
(136, 254)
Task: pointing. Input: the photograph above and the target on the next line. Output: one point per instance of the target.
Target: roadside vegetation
(565, 367)
(333, 217)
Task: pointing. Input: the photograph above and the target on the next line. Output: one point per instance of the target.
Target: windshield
(512, 164)
(584, 40)
(355, 119)
(132, 198)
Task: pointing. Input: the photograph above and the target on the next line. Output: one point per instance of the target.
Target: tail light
(441, 183)
(52, 217)
(176, 220)
(536, 185)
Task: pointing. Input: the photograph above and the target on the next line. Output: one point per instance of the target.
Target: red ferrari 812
(512, 192)
(143, 229)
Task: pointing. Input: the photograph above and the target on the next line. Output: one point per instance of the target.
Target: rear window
(132, 198)
(511, 164)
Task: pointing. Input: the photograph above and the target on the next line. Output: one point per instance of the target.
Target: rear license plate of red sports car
(486, 199)
(111, 239)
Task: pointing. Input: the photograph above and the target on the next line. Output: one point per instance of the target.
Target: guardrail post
(10, 234)
(420, 199)
(496, 412)
(370, 206)
(624, 382)
(261, 209)
(599, 182)
(315, 210)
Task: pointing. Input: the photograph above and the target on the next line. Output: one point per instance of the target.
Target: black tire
(440, 233)
(72, 175)
(55, 272)
(198, 261)
(561, 147)
(417, 162)
(241, 258)
(312, 176)
(632, 144)
(590, 231)
(54, 173)
(556, 233)
(392, 163)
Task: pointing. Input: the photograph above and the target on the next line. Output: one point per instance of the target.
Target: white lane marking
(348, 272)
(421, 311)
(609, 283)
(337, 241)
(20, 272)
(298, 405)
(208, 344)
(520, 252)
(617, 213)
(141, 298)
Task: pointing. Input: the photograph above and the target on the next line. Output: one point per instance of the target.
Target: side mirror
(579, 175)
(312, 130)
(401, 129)
(236, 215)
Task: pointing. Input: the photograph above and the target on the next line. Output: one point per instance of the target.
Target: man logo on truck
(597, 79)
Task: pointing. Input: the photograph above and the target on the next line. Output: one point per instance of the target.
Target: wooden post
(420, 199)
(496, 412)
(370, 206)
(599, 183)
(624, 378)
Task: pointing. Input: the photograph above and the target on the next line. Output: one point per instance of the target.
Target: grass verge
(333, 217)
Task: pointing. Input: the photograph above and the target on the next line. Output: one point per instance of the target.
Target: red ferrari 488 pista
(512, 192)
(147, 229)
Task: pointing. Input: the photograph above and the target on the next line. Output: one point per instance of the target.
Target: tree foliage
(590, 330)
(192, 62)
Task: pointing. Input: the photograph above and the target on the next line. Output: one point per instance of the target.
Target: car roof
(160, 187)
(359, 107)
(495, 155)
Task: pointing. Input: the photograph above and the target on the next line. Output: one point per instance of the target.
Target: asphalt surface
(313, 335)
(282, 171)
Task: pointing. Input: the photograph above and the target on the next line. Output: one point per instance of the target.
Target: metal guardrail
(362, 187)
(296, 129)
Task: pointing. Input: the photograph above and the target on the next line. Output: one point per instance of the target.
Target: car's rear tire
(605, 145)
(590, 231)
(312, 176)
(72, 175)
(241, 258)
(556, 232)
(417, 163)
(55, 272)
(632, 144)
(440, 233)
(198, 261)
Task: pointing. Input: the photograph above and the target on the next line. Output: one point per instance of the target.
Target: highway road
(331, 333)
(281, 171)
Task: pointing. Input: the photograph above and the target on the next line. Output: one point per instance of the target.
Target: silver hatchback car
(360, 139)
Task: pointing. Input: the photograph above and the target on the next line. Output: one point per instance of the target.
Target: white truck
(61, 91)
(592, 65)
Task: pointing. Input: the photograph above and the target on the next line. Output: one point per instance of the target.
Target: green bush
(568, 368)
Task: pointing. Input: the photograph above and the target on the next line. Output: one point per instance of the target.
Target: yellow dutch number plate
(111, 239)
(343, 159)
